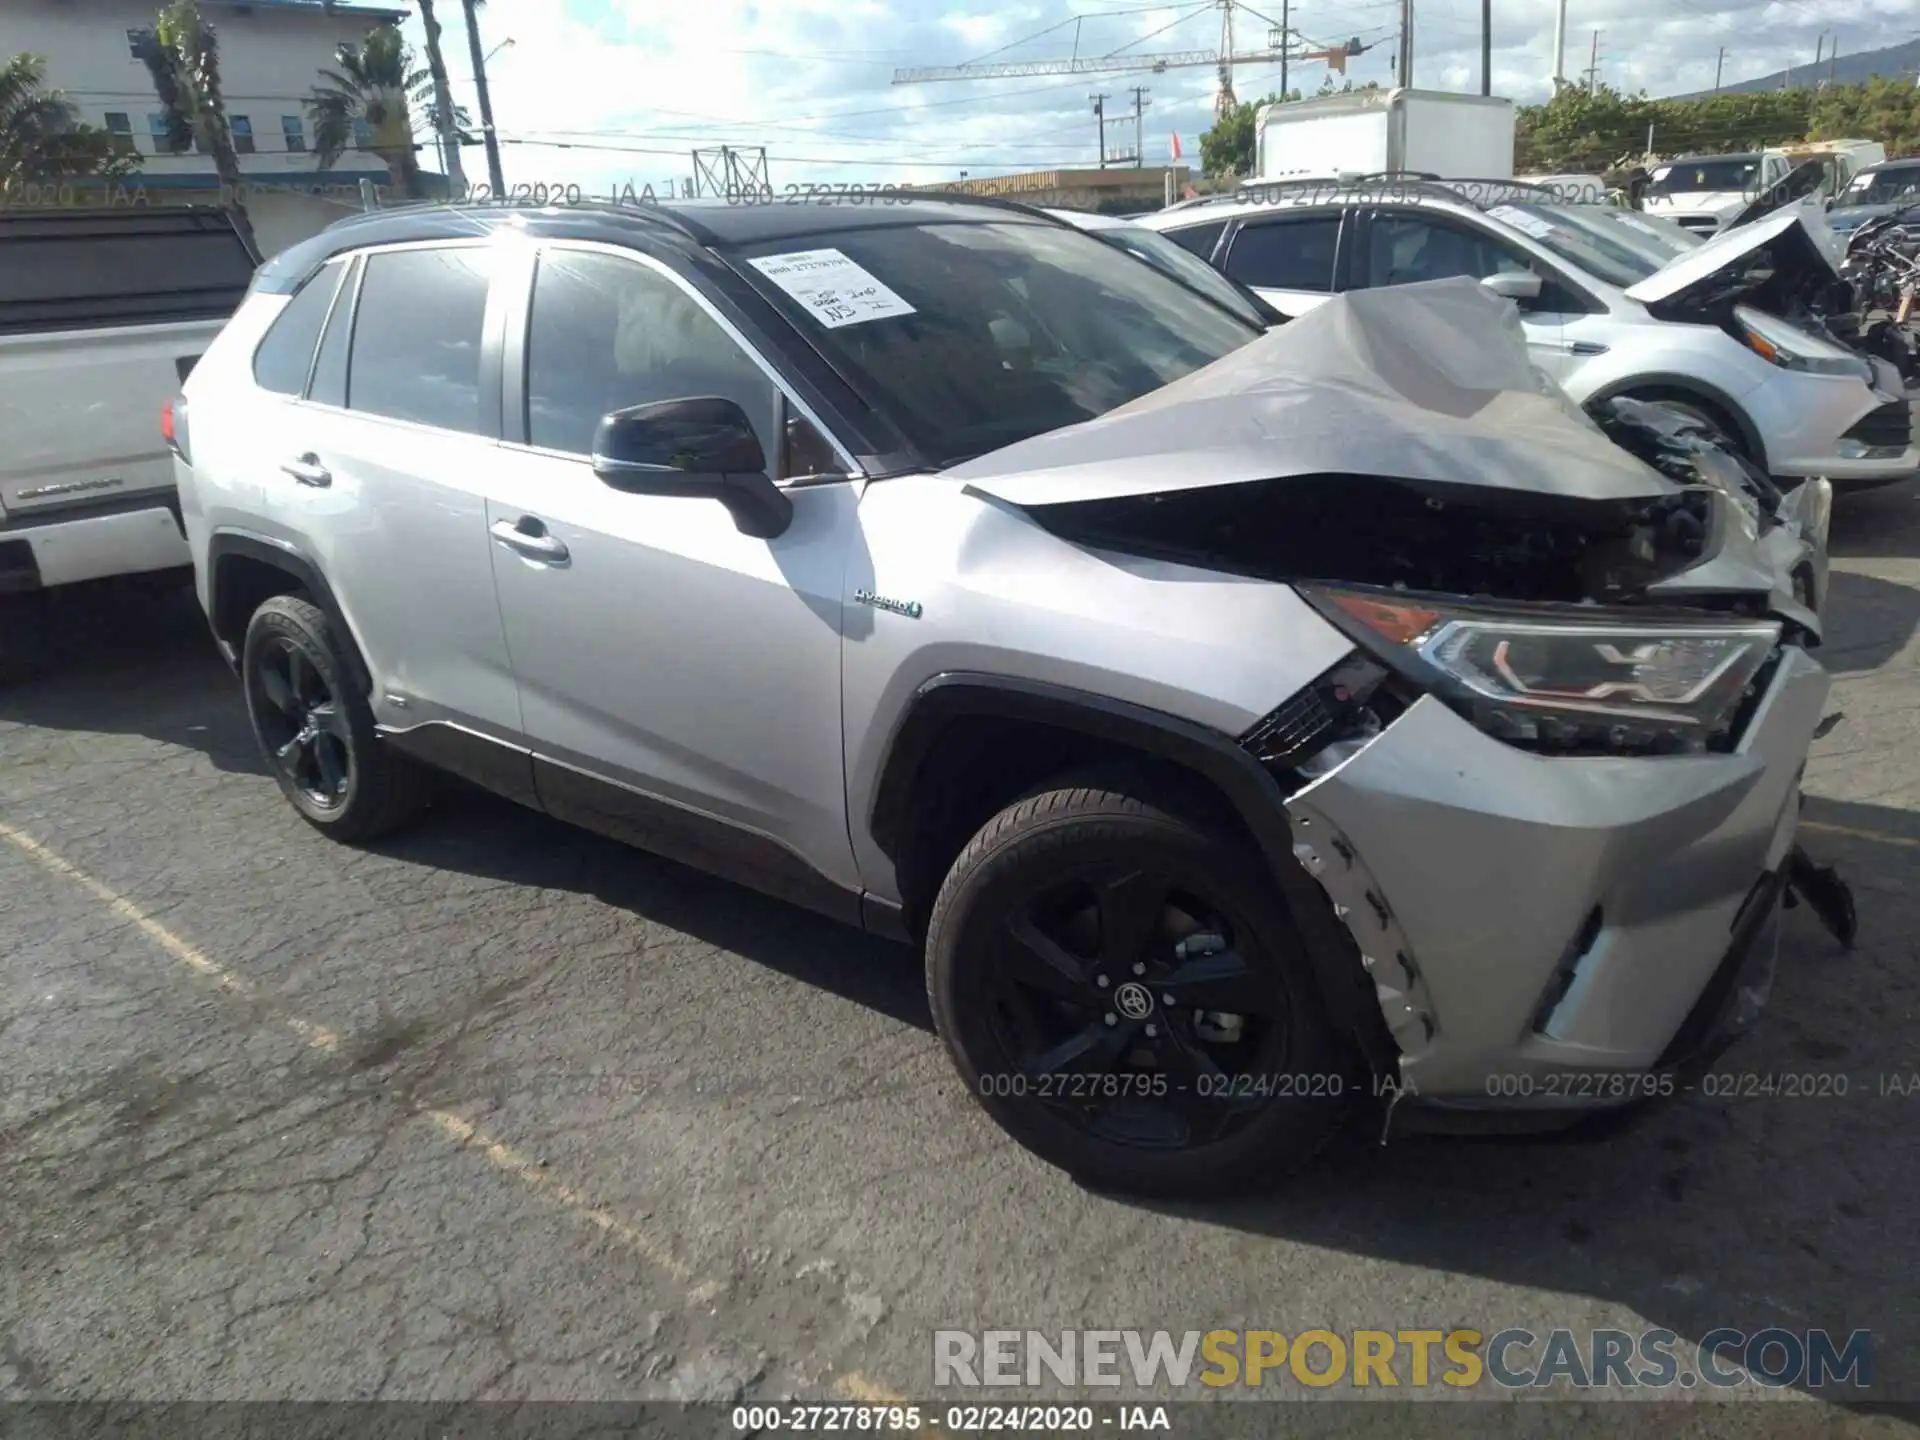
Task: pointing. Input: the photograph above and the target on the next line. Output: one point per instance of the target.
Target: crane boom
(1335, 56)
(1004, 70)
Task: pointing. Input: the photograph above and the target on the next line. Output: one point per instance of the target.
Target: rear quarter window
(81, 270)
(285, 356)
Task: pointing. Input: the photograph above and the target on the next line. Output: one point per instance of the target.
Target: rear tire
(1202, 1065)
(316, 730)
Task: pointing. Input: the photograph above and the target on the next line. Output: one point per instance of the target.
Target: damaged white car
(1732, 329)
(1248, 724)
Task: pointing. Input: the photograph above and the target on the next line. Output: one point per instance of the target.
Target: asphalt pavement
(498, 1109)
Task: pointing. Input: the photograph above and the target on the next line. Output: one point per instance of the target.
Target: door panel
(655, 645)
(670, 653)
(391, 489)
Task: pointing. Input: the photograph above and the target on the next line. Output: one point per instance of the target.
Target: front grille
(1890, 427)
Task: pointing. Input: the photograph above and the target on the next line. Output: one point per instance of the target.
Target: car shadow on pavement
(1868, 621)
(479, 834)
(1747, 1208)
(133, 657)
(1883, 522)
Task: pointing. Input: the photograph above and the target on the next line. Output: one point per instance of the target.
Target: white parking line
(462, 1132)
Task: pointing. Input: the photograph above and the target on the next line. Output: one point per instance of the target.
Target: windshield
(1690, 177)
(1655, 234)
(1883, 187)
(971, 336)
(1190, 270)
(1583, 243)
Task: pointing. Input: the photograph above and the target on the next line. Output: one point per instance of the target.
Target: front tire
(1121, 987)
(316, 730)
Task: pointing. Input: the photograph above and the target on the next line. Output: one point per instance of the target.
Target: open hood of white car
(1716, 260)
(1429, 382)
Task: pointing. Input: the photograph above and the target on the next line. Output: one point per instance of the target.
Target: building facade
(271, 55)
(1112, 190)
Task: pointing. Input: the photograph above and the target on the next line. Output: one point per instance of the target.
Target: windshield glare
(1584, 243)
(1185, 266)
(1738, 172)
(1883, 187)
(1015, 329)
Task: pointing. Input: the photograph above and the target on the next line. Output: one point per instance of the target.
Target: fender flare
(297, 566)
(1700, 390)
(1211, 755)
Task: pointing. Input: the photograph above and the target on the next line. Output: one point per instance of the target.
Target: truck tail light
(173, 427)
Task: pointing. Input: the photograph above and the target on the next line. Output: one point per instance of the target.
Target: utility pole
(1560, 47)
(486, 102)
(1486, 47)
(1140, 93)
(1718, 65)
(1100, 122)
(1832, 55)
(1593, 66)
(1406, 42)
(1286, 44)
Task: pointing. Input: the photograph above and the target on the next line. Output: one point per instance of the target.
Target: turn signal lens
(166, 422)
(1402, 624)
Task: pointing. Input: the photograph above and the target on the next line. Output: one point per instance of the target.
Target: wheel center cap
(1133, 1000)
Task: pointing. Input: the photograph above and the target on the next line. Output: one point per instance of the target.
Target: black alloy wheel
(316, 730)
(1136, 1006)
(300, 723)
(1119, 982)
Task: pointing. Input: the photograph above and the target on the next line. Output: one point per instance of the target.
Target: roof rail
(1403, 184)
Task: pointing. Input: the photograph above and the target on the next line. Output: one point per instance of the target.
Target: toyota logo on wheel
(1133, 1001)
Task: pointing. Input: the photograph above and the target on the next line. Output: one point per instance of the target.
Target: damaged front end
(1552, 790)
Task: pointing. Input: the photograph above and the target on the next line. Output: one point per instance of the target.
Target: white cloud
(810, 79)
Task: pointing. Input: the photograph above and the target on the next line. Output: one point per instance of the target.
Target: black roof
(696, 224)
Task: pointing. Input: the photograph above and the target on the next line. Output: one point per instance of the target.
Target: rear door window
(417, 336)
(1286, 253)
(1200, 239)
(80, 270)
(285, 356)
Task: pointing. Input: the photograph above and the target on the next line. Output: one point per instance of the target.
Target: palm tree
(376, 86)
(182, 54)
(41, 137)
(444, 121)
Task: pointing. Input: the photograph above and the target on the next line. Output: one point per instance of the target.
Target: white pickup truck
(102, 313)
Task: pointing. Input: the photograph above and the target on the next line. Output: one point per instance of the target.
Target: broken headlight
(1553, 680)
(1792, 348)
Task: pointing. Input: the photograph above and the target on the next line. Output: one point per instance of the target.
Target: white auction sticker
(1519, 219)
(834, 289)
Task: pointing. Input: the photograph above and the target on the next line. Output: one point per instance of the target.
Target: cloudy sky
(646, 80)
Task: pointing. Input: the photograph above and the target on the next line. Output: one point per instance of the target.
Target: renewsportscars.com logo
(1512, 1359)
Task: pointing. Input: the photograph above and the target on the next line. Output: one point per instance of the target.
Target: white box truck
(1370, 132)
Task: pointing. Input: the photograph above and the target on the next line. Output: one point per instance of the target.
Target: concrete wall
(270, 58)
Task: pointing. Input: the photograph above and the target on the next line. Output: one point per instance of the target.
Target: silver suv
(1249, 724)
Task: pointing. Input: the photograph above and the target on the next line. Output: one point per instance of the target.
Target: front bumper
(1533, 925)
(1837, 427)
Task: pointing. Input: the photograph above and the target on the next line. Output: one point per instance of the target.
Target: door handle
(530, 538)
(308, 470)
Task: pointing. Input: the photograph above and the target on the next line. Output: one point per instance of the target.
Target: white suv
(1613, 303)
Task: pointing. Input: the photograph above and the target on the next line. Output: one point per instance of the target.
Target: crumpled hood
(1797, 234)
(1429, 382)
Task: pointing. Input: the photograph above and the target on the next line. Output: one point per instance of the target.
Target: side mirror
(1514, 284)
(697, 448)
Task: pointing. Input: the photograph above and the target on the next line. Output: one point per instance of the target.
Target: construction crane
(1223, 59)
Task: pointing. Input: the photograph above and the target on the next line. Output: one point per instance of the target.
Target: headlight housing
(1791, 348)
(1564, 682)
